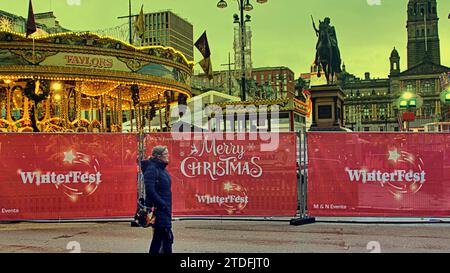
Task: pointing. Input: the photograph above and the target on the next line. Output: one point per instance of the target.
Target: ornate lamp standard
(241, 20)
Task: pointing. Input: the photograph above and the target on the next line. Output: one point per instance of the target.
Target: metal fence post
(303, 217)
(140, 180)
(305, 173)
(299, 174)
(141, 151)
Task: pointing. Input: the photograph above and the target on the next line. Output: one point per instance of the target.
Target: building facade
(423, 80)
(369, 105)
(423, 34)
(372, 104)
(45, 21)
(264, 83)
(9, 21)
(166, 28)
(280, 79)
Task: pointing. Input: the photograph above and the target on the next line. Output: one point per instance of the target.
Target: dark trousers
(162, 241)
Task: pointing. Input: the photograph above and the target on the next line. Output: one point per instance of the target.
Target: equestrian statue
(328, 56)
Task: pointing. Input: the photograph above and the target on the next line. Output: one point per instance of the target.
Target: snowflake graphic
(251, 147)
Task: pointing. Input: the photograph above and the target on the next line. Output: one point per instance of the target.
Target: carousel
(82, 82)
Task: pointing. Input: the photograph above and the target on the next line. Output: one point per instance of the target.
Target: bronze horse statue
(327, 52)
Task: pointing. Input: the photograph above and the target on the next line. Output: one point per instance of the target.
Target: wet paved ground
(215, 236)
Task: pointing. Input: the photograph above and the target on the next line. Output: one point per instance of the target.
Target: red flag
(31, 23)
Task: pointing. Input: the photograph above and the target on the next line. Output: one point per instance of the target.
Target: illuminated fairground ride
(82, 82)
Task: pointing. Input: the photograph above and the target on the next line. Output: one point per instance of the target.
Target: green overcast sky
(282, 30)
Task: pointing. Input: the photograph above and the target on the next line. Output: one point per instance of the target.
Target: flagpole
(129, 23)
(34, 61)
(31, 28)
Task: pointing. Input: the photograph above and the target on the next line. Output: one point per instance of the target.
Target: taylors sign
(89, 61)
(66, 59)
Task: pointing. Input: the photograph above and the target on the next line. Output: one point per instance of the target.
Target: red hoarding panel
(381, 174)
(67, 176)
(216, 176)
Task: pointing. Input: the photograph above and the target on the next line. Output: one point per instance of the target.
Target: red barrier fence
(86, 176)
(214, 177)
(381, 174)
(67, 176)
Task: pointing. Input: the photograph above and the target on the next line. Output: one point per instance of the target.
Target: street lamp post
(129, 21)
(241, 20)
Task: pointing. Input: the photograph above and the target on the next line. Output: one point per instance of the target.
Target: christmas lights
(57, 96)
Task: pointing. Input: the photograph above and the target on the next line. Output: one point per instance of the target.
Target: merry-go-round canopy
(97, 64)
(97, 78)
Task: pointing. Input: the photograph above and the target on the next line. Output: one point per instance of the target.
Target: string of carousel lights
(80, 34)
(56, 85)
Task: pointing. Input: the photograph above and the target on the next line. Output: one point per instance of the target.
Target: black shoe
(134, 223)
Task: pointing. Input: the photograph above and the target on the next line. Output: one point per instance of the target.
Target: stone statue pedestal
(328, 108)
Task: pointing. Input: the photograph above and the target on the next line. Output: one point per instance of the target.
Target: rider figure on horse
(330, 31)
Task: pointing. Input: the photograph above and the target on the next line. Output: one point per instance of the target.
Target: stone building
(371, 104)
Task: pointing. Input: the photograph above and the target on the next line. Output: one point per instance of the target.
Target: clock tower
(423, 34)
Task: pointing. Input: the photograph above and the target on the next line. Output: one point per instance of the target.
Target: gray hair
(158, 151)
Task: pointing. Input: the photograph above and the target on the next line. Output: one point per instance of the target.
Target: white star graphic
(69, 157)
(394, 155)
(227, 186)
